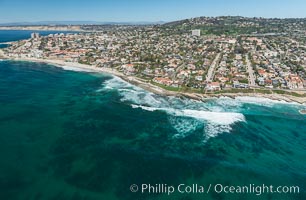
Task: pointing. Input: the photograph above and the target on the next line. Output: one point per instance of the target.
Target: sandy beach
(153, 88)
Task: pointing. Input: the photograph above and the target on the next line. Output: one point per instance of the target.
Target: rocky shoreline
(202, 97)
(158, 90)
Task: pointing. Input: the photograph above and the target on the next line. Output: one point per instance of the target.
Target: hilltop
(240, 25)
(223, 25)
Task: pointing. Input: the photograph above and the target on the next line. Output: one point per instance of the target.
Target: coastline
(41, 28)
(153, 88)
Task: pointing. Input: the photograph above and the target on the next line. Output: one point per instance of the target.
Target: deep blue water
(77, 135)
(3, 45)
(14, 35)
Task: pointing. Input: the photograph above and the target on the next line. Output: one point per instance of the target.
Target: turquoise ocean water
(77, 135)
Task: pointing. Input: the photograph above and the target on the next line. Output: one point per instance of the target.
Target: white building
(37, 53)
(199, 78)
(196, 32)
(34, 35)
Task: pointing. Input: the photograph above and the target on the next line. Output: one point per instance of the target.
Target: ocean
(80, 135)
(15, 35)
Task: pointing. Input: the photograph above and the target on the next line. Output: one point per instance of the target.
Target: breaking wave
(222, 118)
(215, 122)
(262, 101)
(185, 115)
(76, 69)
(215, 116)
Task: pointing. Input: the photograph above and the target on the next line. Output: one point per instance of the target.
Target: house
(237, 84)
(199, 78)
(261, 81)
(196, 32)
(163, 81)
(295, 82)
(213, 86)
(128, 69)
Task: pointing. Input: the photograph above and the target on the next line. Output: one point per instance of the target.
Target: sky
(144, 10)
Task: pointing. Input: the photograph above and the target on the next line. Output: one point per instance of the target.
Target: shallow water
(77, 135)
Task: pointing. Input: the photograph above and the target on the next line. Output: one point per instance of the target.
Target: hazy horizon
(143, 11)
(79, 22)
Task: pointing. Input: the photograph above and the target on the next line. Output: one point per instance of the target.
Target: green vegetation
(245, 91)
(289, 93)
(261, 91)
(169, 88)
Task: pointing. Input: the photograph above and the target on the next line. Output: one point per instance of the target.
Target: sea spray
(180, 110)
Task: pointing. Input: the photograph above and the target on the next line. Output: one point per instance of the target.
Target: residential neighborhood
(175, 57)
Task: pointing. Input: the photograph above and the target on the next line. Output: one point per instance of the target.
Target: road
(251, 72)
(211, 70)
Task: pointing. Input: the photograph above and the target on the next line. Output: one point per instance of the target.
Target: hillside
(229, 25)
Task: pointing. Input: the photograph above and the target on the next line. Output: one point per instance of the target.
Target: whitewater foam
(133, 94)
(145, 108)
(262, 101)
(183, 126)
(185, 115)
(76, 69)
(215, 122)
(222, 118)
(213, 130)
